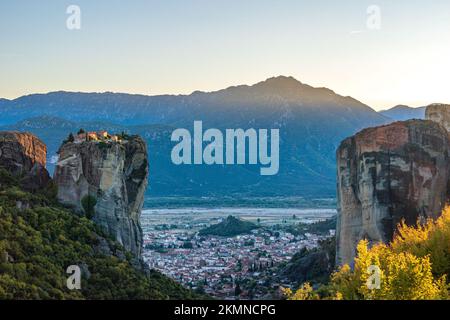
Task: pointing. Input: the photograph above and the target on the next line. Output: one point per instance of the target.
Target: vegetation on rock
(320, 227)
(311, 265)
(88, 203)
(230, 227)
(414, 266)
(39, 239)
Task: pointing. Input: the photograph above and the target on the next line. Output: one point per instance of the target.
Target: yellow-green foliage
(415, 266)
(432, 239)
(403, 276)
(305, 292)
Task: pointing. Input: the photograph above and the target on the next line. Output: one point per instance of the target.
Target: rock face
(24, 155)
(116, 175)
(439, 113)
(386, 174)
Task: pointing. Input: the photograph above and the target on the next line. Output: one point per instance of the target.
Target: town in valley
(242, 266)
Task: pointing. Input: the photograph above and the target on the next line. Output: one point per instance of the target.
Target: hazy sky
(178, 46)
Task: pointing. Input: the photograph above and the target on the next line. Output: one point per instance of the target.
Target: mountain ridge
(286, 89)
(404, 112)
(274, 79)
(302, 114)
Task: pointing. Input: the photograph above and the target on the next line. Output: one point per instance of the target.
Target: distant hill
(230, 227)
(321, 228)
(402, 113)
(312, 123)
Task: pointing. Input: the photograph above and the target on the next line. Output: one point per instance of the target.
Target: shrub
(414, 266)
(88, 203)
(70, 138)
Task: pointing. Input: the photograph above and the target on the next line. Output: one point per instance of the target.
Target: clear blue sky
(178, 46)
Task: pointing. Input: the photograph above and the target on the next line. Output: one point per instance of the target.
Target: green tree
(88, 203)
(188, 245)
(71, 138)
(237, 290)
(239, 265)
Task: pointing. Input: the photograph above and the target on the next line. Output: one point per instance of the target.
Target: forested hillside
(39, 239)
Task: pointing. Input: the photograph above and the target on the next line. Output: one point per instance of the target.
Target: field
(194, 219)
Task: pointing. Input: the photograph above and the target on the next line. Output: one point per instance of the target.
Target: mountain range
(403, 113)
(312, 123)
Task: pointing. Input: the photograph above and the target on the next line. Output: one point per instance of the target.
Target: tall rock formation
(25, 156)
(386, 174)
(115, 173)
(439, 113)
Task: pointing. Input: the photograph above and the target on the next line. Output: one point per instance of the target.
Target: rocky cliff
(24, 155)
(439, 113)
(386, 174)
(114, 175)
